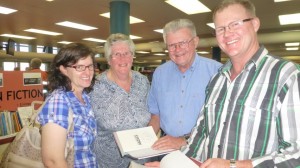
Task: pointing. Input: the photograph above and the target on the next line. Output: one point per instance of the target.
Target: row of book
(10, 123)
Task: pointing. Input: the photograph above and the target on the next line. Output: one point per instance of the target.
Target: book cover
(175, 159)
(136, 143)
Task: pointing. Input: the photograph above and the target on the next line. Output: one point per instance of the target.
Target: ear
(256, 23)
(196, 41)
(63, 70)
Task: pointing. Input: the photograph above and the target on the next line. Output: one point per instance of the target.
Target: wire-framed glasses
(231, 26)
(81, 68)
(182, 44)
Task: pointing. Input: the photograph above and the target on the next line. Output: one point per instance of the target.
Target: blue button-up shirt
(178, 97)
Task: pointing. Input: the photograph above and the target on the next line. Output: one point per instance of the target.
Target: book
(175, 159)
(136, 143)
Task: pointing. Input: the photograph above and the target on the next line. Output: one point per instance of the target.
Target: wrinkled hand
(216, 163)
(152, 164)
(168, 142)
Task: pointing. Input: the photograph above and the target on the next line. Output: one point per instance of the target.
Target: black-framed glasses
(81, 68)
(182, 44)
(231, 26)
(119, 55)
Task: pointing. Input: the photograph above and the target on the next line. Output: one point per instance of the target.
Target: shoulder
(208, 61)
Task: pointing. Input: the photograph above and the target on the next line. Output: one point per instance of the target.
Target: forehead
(179, 35)
(88, 59)
(231, 13)
(120, 46)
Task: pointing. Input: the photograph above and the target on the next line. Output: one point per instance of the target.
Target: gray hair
(248, 5)
(114, 38)
(177, 24)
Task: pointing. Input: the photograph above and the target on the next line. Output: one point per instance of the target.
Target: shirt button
(184, 76)
(181, 106)
(224, 123)
(219, 146)
(182, 91)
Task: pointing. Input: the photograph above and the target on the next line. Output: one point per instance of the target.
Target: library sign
(18, 89)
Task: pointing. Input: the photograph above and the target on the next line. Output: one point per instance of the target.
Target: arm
(154, 122)
(53, 145)
(287, 128)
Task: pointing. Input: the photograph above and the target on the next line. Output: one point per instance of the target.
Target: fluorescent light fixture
(6, 11)
(43, 32)
(132, 19)
(17, 36)
(203, 52)
(292, 48)
(134, 37)
(289, 19)
(291, 30)
(95, 40)
(189, 6)
(212, 25)
(142, 52)
(281, 0)
(291, 44)
(159, 30)
(159, 54)
(76, 25)
(64, 42)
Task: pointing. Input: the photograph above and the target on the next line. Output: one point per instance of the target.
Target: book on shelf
(175, 159)
(136, 143)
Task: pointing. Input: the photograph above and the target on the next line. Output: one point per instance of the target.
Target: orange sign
(19, 89)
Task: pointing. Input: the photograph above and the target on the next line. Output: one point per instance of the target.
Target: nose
(177, 47)
(227, 31)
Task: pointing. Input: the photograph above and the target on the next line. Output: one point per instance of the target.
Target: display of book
(136, 143)
(175, 159)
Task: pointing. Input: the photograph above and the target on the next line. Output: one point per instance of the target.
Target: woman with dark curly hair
(71, 78)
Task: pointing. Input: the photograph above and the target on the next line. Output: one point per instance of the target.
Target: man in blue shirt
(178, 86)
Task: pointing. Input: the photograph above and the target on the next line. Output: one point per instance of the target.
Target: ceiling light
(292, 48)
(64, 42)
(142, 52)
(134, 37)
(95, 40)
(4, 10)
(203, 52)
(291, 44)
(212, 25)
(159, 54)
(289, 19)
(76, 25)
(159, 30)
(281, 0)
(43, 32)
(291, 30)
(132, 19)
(189, 6)
(17, 36)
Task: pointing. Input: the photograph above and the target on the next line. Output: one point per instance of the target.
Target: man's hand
(152, 164)
(168, 142)
(217, 163)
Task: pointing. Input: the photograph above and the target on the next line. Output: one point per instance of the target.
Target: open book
(175, 159)
(136, 143)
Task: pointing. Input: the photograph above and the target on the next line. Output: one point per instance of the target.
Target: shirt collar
(254, 61)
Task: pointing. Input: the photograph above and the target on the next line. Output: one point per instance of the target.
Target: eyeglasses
(81, 68)
(182, 44)
(231, 26)
(119, 55)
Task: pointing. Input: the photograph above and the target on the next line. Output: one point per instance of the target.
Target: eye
(234, 24)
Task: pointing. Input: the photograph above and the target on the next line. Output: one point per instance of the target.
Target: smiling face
(183, 55)
(79, 80)
(240, 43)
(121, 58)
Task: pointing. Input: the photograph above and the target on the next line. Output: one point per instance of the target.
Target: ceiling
(40, 14)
